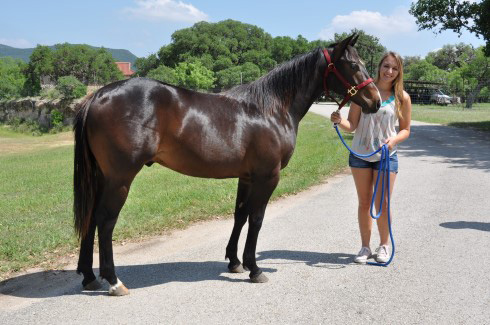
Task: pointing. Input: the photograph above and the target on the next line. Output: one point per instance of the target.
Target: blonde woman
(371, 132)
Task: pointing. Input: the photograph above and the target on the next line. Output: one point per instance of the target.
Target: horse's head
(356, 85)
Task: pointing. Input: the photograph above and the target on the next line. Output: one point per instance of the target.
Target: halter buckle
(352, 91)
(330, 66)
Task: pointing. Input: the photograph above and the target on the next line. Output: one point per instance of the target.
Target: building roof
(125, 68)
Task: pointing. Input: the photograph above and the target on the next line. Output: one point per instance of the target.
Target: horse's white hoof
(119, 289)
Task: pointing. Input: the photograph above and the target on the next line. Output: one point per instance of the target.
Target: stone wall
(37, 109)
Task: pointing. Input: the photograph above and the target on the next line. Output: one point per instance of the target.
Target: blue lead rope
(384, 168)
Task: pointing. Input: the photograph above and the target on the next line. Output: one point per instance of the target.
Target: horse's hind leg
(112, 200)
(85, 260)
(261, 192)
(235, 266)
(86, 257)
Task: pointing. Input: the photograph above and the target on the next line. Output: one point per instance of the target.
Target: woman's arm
(404, 130)
(349, 125)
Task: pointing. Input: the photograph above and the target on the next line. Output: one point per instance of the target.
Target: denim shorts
(356, 162)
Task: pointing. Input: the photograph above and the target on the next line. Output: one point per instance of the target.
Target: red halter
(351, 90)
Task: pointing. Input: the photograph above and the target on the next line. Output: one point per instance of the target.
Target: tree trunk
(475, 92)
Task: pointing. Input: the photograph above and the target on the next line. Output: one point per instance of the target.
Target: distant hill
(24, 54)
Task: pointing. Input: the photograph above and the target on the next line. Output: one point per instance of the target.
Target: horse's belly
(210, 166)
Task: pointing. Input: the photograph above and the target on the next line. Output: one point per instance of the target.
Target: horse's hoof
(92, 286)
(261, 278)
(237, 269)
(119, 289)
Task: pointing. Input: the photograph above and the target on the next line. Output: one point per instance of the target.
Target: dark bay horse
(248, 132)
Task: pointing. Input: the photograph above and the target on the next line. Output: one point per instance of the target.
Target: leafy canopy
(455, 15)
(88, 65)
(12, 79)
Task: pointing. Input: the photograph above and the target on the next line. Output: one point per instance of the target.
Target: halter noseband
(351, 90)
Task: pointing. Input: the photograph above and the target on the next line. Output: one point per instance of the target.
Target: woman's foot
(382, 255)
(363, 255)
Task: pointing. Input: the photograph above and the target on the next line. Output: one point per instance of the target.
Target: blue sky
(143, 26)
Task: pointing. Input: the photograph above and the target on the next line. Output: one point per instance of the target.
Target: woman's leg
(363, 178)
(383, 228)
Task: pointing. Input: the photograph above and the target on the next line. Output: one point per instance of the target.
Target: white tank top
(373, 130)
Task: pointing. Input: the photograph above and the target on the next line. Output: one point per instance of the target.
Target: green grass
(36, 196)
(478, 117)
(7, 132)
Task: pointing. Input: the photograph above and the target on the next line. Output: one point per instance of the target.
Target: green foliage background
(217, 56)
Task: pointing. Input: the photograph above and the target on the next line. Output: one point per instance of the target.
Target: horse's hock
(36, 109)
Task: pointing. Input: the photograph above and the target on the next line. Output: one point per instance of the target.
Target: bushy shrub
(56, 119)
(50, 93)
(71, 88)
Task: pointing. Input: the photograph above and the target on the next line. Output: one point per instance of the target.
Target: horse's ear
(354, 40)
(340, 48)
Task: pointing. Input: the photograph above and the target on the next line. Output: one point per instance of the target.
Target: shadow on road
(332, 260)
(58, 283)
(483, 226)
(463, 148)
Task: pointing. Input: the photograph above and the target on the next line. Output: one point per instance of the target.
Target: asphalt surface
(440, 273)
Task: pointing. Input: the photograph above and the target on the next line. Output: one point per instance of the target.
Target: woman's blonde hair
(397, 83)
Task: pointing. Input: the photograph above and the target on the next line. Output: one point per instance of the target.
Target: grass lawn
(477, 117)
(36, 197)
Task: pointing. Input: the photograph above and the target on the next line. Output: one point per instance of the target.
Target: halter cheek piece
(351, 90)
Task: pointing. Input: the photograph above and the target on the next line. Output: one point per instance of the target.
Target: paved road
(440, 273)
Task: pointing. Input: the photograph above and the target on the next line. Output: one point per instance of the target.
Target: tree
(144, 65)
(450, 56)
(71, 88)
(455, 15)
(12, 79)
(227, 78)
(369, 48)
(232, 50)
(89, 65)
(102, 68)
(165, 74)
(425, 71)
(284, 48)
(40, 66)
(477, 74)
(408, 61)
(194, 76)
(237, 75)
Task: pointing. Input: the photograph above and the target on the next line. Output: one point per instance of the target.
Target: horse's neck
(306, 95)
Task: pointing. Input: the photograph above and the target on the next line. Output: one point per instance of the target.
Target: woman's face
(389, 69)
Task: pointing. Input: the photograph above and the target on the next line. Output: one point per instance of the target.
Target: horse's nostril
(378, 103)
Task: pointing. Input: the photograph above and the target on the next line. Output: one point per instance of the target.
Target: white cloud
(20, 43)
(165, 10)
(399, 22)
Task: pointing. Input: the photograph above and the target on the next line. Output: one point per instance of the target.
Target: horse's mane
(275, 90)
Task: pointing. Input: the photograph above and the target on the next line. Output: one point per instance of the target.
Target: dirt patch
(29, 143)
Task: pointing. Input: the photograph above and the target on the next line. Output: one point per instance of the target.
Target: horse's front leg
(261, 192)
(241, 214)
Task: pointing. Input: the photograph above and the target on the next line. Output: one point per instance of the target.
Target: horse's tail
(84, 172)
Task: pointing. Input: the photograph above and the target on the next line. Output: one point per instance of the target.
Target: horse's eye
(353, 66)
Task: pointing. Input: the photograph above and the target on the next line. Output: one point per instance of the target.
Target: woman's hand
(335, 117)
(391, 143)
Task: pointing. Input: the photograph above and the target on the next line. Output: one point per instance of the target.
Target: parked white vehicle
(438, 97)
